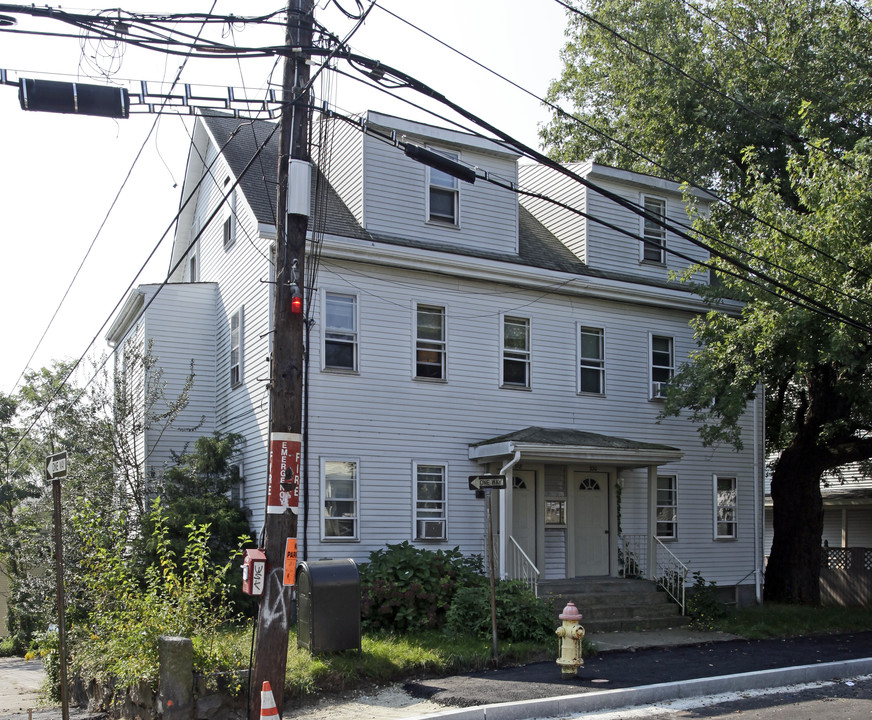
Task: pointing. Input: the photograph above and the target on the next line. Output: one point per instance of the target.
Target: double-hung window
(516, 352)
(662, 364)
(667, 507)
(591, 361)
(340, 499)
(653, 234)
(443, 194)
(430, 501)
(340, 331)
(236, 341)
(229, 215)
(726, 507)
(430, 343)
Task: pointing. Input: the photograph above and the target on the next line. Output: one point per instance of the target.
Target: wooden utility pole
(286, 391)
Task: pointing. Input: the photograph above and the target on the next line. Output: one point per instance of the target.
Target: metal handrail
(521, 567)
(671, 573)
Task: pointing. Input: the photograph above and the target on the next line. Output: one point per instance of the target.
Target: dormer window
(654, 234)
(443, 194)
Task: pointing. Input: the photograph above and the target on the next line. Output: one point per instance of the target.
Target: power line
(669, 171)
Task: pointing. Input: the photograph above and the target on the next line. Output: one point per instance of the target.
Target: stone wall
(180, 693)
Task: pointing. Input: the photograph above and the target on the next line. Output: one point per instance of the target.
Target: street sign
(56, 465)
(487, 482)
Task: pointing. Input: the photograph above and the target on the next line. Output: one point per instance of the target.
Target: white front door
(590, 522)
(524, 511)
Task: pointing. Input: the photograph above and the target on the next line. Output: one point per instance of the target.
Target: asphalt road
(827, 701)
(624, 669)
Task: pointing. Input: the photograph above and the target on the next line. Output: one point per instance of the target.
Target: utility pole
(286, 373)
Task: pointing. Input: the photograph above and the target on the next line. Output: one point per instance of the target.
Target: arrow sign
(56, 465)
(487, 482)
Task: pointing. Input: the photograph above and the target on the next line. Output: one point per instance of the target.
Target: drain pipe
(759, 492)
(505, 506)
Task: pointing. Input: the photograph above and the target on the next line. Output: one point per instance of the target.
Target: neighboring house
(456, 331)
(847, 499)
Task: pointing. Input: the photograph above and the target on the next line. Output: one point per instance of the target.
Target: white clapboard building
(457, 329)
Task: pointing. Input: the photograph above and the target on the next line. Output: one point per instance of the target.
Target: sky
(70, 183)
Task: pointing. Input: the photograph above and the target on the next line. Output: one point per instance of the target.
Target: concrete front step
(609, 604)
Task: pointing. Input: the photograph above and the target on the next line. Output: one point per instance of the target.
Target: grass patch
(387, 658)
(773, 620)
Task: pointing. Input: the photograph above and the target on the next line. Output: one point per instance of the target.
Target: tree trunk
(793, 570)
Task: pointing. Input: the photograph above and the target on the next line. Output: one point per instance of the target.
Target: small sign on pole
(487, 482)
(56, 465)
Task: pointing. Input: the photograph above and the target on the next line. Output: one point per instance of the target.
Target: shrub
(703, 605)
(407, 588)
(119, 639)
(520, 614)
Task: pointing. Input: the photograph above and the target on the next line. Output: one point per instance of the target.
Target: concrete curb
(647, 694)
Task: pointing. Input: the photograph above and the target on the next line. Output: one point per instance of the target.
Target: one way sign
(485, 482)
(56, 466)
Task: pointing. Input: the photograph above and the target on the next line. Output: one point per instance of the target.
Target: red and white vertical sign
(284, 473)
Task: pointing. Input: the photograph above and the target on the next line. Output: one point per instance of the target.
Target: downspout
(759, 459)
(504, 533)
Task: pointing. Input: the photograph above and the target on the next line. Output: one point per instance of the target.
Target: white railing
(670, 573)
(521, 567)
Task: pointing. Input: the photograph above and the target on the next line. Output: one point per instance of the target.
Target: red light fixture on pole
(297, 302)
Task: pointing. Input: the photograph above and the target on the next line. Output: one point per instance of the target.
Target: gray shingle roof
(568, 437)
(537, 247)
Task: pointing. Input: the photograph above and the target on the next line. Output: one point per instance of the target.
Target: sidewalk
(634, 668)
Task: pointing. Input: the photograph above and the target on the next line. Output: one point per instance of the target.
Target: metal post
(59, 571)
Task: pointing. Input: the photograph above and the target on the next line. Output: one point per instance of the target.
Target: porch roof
(564, 444)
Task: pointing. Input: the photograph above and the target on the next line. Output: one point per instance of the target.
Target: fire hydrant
(571, 634)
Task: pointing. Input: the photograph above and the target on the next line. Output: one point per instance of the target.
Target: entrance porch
(558, 517)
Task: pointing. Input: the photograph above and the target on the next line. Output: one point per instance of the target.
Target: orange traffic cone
(267, 702)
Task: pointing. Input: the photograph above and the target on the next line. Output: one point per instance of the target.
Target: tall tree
(766, 102)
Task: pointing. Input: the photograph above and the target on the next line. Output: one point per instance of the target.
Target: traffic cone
(268, 707)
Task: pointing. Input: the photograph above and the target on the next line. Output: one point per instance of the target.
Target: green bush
(520, 614)
(406, 588)
(703, 606)
(119, 639)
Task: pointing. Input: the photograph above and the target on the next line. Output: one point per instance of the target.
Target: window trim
(717, 506)
(525, 356)
(239, 346)
(453, 190)
(416, 307)
(580, 328)
(674, 506)
(658, 236)
(416, 536)
(229, 220)
(355, 343)
(651, 366)
(356, 500)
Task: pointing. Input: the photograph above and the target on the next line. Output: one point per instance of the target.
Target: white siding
(242, 273)
(386, 418)
(180, 324)
(344, 165)
(602, 247)
(396, 193)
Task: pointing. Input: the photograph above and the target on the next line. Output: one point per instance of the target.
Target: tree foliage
(766, 102)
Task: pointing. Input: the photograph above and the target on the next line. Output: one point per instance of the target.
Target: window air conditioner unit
(431, 529)
(658, 389)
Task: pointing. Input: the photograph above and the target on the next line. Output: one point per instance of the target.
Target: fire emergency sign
(284, 473)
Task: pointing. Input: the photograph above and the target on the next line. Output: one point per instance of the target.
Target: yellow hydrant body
(571, 633)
